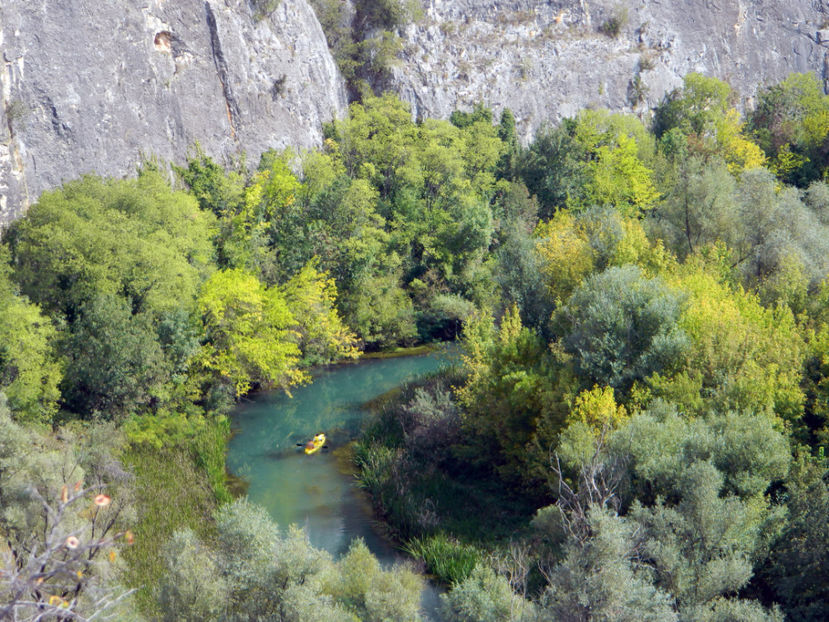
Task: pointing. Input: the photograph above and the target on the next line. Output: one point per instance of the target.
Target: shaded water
(315, 491)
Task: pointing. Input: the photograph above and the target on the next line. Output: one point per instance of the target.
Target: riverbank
(446, 511)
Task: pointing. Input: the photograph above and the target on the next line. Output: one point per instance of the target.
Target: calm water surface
(316, 491)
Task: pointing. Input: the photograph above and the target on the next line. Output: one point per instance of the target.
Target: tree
(64, 500)
(794, 571)
(601, 578)
(485, 597)
(115, 365)
(702, 111)
(791, 123)
(254, 572)
(250, 332)
(742, 356)
(700, 206)
(512, 387)
(29, 369)
(553, 168)
(622, 327)
(311, 298)
(702, 548)
(137, 239)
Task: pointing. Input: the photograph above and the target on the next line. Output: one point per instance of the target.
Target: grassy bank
(176, 487)
(445, 511)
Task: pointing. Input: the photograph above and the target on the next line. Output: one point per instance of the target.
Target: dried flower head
(102, 500)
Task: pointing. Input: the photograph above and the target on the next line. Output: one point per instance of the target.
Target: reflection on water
(310, 490)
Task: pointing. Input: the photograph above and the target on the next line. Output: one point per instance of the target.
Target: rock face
(92, 86)
(547, 60)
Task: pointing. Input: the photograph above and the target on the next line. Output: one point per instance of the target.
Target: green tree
(702, 111)
(311, 296)
(621, 327)
(552, 167)
(485, 597)
(699, 208)
(250, 332)
(742, 356)
(512, 386)
(114, 363)
(137, 239)
(258, 573)
(702, 548)
(799, 555)
(29, 369)
(601, 578)
(791, 124)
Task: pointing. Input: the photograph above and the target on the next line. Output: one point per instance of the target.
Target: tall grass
(446, 558)
(176, 487)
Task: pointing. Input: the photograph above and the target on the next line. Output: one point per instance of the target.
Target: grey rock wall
(547, 60)
(95, 85)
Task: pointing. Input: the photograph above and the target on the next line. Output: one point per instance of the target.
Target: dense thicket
(635, 430)
(649, 376)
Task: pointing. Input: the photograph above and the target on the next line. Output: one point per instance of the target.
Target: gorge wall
(547, 60)
(96, 85)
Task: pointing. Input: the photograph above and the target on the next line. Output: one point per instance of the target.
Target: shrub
(612, 26)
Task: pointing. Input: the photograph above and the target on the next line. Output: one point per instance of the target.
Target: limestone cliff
(546, 60)
(95, 85)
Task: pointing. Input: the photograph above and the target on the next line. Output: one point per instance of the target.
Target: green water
(314, 491)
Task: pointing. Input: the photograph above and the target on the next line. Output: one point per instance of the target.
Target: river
(316, 492)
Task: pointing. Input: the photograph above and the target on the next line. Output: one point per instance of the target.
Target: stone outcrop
(546, 60)
(97, 85)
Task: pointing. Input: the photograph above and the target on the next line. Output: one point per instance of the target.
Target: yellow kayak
(315, 444)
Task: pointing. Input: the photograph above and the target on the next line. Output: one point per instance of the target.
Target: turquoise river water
(315, 491)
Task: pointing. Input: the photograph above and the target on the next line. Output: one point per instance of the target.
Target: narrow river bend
(314, 491)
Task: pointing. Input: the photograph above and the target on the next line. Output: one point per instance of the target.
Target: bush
(485, 597)
(613, 25)
(263, 8)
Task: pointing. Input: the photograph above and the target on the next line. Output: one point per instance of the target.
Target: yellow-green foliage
(597, 409)
(571, 246)
(134, 238)
(566, 254)
(703, 112)
(269, 215)
(29, 370)
(514, 396)
(739, 152)
(251, 332)
(742, 354)
(311, 296)
(791, 122)
(617, 150)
